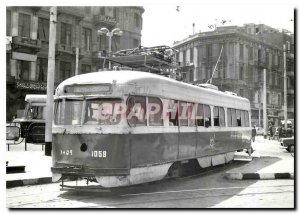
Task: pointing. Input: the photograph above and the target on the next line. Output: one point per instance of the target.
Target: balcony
(73, 11)
(65, 49)
(27, 42)
(101, 19)
(290, 91)
(290, 73)
(261, 64)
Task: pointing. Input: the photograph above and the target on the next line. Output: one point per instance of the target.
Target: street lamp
(110, 34)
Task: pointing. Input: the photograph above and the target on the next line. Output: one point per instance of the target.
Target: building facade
(246, 51)
(27, 31)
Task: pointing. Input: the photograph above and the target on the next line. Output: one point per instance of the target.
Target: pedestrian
(253, 133)
(271, 131)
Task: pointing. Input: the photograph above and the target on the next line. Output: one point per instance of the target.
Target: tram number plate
(99, 154)
(66, 152)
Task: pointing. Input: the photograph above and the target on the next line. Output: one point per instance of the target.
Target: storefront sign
(38, 86)
(24, 56)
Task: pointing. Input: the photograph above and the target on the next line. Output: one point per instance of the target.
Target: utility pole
(284, 88)
(265, 105)
(50, 81)
(77, 61)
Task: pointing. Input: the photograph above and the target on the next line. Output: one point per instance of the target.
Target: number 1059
(99, 154)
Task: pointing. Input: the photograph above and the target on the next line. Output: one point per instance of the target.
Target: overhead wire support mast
(210, 80)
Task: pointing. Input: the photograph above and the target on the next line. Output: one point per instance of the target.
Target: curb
(34, 181)
(258, 176)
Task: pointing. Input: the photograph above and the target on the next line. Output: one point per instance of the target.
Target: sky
(163, 23)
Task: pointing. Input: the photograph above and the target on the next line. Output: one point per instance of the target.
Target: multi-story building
(246, 51)
(27, 31)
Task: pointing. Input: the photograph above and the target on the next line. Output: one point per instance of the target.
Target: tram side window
(173, 113)
(219, 116)
(155, 109)
(246, 118)
(136, 111)
(233, 118)
(216, 116)
(102, 112)
(229, 122)
(191, 114)
(200, 115)
(222, 116)
(183, 113)
(207, 116)
(238, 118)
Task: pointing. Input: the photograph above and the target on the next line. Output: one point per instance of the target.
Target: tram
(31, 126)
(121, 128)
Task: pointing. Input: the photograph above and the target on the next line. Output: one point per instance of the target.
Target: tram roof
(36, 98)
(156, 85)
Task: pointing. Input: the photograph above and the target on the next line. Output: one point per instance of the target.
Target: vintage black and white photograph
(161, 104)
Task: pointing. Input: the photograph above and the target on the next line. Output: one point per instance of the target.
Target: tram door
(187, 131)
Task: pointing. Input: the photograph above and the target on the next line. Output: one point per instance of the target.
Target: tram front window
(102, 112)
(68, 112)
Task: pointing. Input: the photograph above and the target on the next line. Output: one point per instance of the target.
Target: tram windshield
(35, 112)
(97, 111)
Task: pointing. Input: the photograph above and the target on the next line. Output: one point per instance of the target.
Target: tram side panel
(91, 152)
(153, 148)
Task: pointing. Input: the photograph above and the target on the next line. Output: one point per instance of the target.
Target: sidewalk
(37, 168)
(269, 161)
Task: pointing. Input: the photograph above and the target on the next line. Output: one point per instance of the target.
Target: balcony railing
(99, 19)
(28, 42)
(62, 48)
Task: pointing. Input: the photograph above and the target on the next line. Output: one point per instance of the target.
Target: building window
(65, 70)
(86, 39)
(115, 12)
(191, 75)
(42, 69)
(242, 92)
(184, 58)
(241, 76)
(65, 34)
(24, 70)
(268, 98)
(192, 55)
(8, 23)
(137, 20)
(43, 29)
(279, 99)
(85, 68)
(24, 25)
(250, 53)
(136, 43)
(103, 45)
(87, 10)
(241, 51)
(115, 44)
(102, 11)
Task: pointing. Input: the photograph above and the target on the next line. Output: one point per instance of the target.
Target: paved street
(207, 189)
(210, 190)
